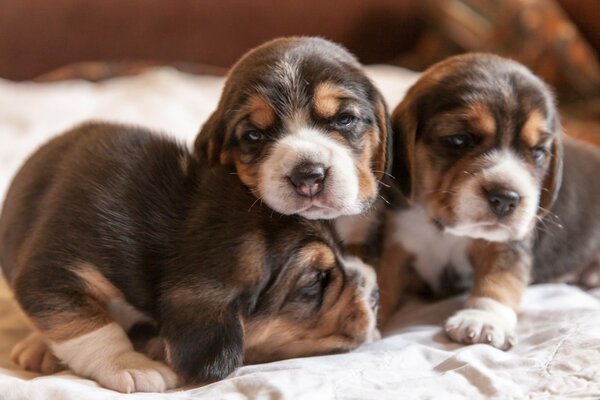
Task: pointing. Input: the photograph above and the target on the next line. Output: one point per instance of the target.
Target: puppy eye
(461, 141)
(320, 281)
(345, 119)
(538, 153)
(253, 136)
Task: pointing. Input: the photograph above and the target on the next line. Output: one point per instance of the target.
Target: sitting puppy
(109, 226)
(304, 128)
(480, 160)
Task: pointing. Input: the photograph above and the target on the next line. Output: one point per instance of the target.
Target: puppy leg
(33, 354)
(202, 333)
(81, 333)
(392, 275)
(490, 313)
(106, 355)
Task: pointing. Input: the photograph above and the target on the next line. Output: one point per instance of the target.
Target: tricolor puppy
(304, 128)
(108, 227)
(481, 158)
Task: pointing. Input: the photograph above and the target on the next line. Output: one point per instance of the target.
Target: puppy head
(315, 301)
(304, 128)
(253, 285)
(480, 147)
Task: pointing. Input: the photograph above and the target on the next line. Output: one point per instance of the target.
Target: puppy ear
(203, 342)
(210, 141)
(554, 175)
(382, 158)
(404, 128)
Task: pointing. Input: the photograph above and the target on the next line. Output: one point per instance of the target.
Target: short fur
(471, 125)
(112, 223)
(295, 101)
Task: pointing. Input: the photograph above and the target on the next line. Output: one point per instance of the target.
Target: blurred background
(45, 40)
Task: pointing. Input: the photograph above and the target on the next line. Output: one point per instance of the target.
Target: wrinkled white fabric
(558, 354)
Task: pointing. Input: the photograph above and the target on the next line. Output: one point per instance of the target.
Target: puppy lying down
(107, 227)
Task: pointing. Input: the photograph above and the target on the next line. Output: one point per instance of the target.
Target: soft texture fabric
(558, 354)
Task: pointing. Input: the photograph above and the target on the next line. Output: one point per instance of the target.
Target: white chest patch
(432, 249)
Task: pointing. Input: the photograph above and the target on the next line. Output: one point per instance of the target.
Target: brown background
(40, 35)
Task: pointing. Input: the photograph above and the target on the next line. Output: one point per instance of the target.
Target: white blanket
(558, 354)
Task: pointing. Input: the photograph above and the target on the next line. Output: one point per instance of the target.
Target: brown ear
(204, 339)
(210, 141)
(382, 157)
(554, 175)
(404, 128)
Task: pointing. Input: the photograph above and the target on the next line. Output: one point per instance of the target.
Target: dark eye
(538, 153)
(253, 136)
(461, 141)
(345, 120)
(320, 281)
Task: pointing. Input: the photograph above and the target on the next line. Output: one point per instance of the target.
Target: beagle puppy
(107, 227)
(303, 127)
(490, 188)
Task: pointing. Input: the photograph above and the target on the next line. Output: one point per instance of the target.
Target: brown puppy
(304, 128)
(109, 226)
(480, 160)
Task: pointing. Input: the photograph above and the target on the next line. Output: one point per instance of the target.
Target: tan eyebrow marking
(534, 128)
(328, 98)
(262, 114)
(476, 116)
(317, 253)
(483, 119)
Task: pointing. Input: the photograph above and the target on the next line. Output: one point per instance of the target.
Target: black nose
(374, 300)
(503, 202)
(308, 178)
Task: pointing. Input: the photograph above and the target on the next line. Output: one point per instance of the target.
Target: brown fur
(503, 108)
(262, 113)
(501, 272)
(106, 212)
(327, 99)
(261, 95)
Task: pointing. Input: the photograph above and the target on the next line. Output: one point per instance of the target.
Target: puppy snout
(374, 299)
(308, 178)
(503, 201)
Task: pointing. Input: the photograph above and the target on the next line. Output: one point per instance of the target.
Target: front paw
(134, 372)
(491, 323)
(33, 354)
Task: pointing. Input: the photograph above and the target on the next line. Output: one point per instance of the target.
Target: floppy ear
(382, 158)
(404, 131)
(210, 141)
(554, 175)
(204, 340)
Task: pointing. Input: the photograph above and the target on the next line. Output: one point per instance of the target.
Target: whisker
(383, 184)
(255, 201)
(384, 199)
(385, 173)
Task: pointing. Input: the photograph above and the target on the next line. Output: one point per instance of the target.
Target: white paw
(33, 354)
(490, 323)
(134, 372)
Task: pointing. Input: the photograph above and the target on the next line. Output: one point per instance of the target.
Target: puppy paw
(33, 354)
(134, 372)
(488, 322)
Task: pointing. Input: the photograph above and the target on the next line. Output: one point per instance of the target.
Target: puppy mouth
(495, 231)
(315, 209)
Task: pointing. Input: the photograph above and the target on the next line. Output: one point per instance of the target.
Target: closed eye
(317, 285)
